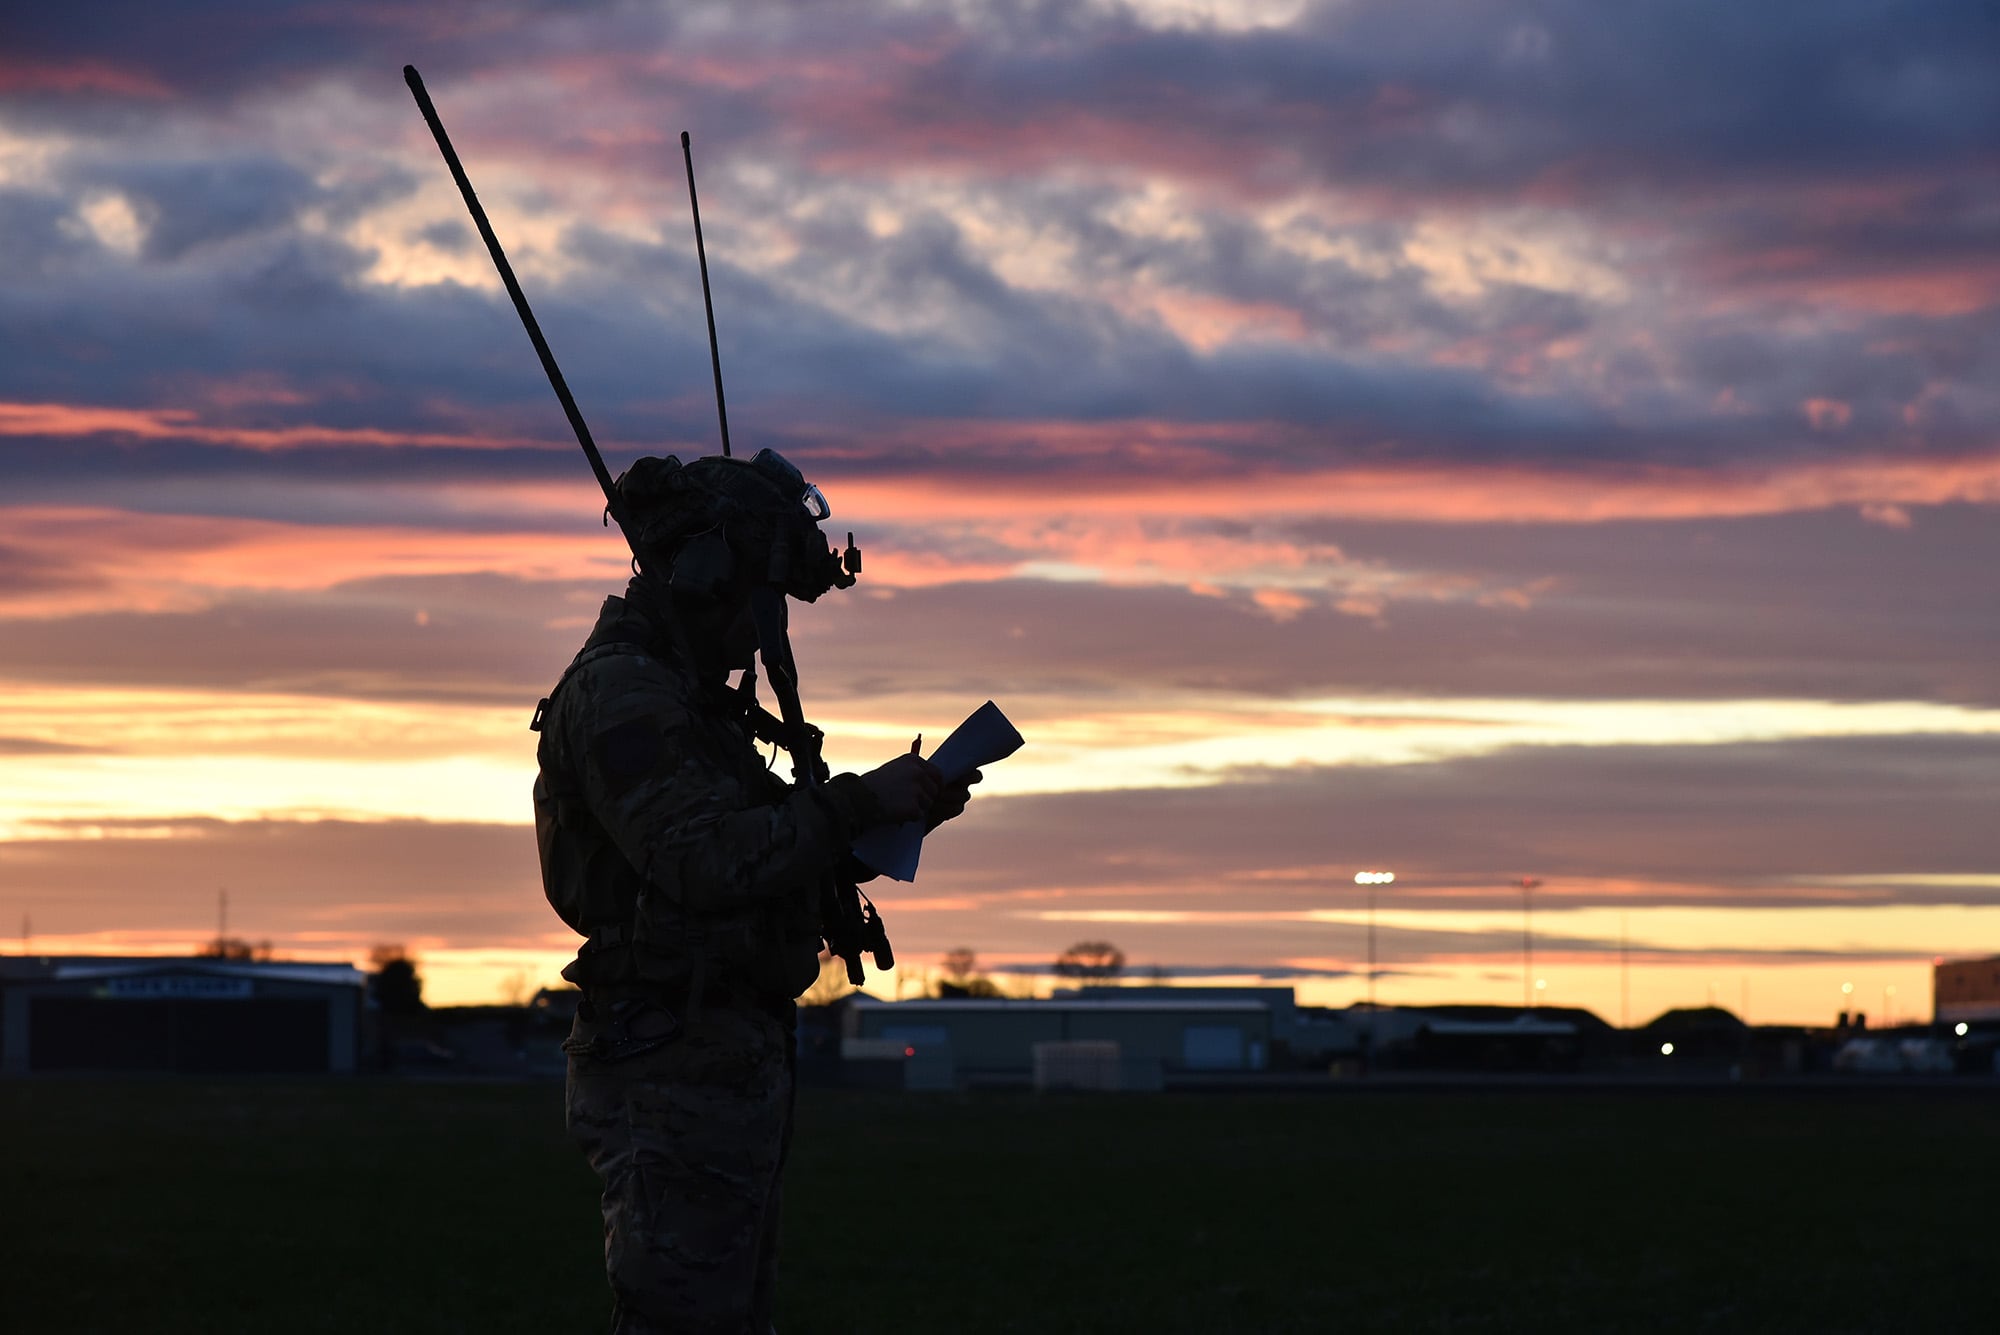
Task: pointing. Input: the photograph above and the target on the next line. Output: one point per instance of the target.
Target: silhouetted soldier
(700, 879)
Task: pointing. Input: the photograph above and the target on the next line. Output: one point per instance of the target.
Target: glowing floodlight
(1666, 1049)
(1963, 1029)
(1374, 878)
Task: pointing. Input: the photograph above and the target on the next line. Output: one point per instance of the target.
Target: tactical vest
(770, 951)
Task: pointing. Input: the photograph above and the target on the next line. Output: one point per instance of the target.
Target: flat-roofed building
(1282, 1002)
(997, 1039)
(1966, 990)
(156, 1013)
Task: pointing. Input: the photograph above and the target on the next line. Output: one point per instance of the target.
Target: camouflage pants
(690, 1141)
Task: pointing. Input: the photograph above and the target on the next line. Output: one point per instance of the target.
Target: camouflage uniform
(695, 872)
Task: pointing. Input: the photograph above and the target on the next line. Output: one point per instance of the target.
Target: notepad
(985, 737)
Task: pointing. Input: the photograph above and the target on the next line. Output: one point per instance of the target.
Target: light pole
(1528, 884)
(1371, 879)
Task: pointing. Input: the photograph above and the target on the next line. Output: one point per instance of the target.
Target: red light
(909, 1052)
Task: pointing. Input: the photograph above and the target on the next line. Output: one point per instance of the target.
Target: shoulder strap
(589, 654)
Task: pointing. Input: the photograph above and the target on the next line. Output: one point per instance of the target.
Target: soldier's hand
(907, 787)
(951, 800)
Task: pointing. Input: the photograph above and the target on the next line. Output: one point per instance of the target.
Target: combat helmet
(721, 521)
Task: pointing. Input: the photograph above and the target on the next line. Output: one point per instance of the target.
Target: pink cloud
(1179, 476)
(148, 562)
(1131, 501)
(78, 76)
(73, 420)
(1283, 604)
(1462, 493)
(1825, 256)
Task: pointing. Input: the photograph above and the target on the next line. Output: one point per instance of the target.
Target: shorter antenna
(708, 304)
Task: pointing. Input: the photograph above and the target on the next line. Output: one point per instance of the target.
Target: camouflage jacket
(664, 836)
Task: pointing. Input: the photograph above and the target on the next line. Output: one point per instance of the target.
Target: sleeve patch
(628, 753)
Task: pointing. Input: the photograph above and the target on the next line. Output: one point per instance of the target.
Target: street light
(1371, 879)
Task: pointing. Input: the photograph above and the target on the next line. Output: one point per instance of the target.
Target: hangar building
(155, 1013)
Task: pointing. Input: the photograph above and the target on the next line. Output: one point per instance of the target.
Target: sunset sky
(1480, 441)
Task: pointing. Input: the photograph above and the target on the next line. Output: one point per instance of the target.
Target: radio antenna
(613, 506)
(701, 253)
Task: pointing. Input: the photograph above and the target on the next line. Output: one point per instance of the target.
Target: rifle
(848, 928)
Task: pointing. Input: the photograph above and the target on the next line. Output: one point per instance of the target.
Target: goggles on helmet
(786, 475)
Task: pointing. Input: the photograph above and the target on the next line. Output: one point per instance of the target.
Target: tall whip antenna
(554, 372)
(701, 253)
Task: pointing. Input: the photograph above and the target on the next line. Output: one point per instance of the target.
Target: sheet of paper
(985, 737)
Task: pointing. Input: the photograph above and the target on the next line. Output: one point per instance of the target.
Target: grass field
(172, 1206)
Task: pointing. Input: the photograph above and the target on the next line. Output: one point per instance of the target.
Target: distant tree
(234, 948)
(395, 985)
(960, 967)
(1090, 961)
(517, 987)
(831, 985)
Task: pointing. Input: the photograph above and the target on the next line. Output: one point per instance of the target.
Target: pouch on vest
(615, 1031)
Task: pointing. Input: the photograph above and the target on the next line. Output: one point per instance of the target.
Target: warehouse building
(1282, 1002)
(101, 1013)
(1966, 991)
(1312, 1036)
(1097, 1042)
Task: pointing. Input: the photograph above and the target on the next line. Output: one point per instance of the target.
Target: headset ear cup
(704, 566)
